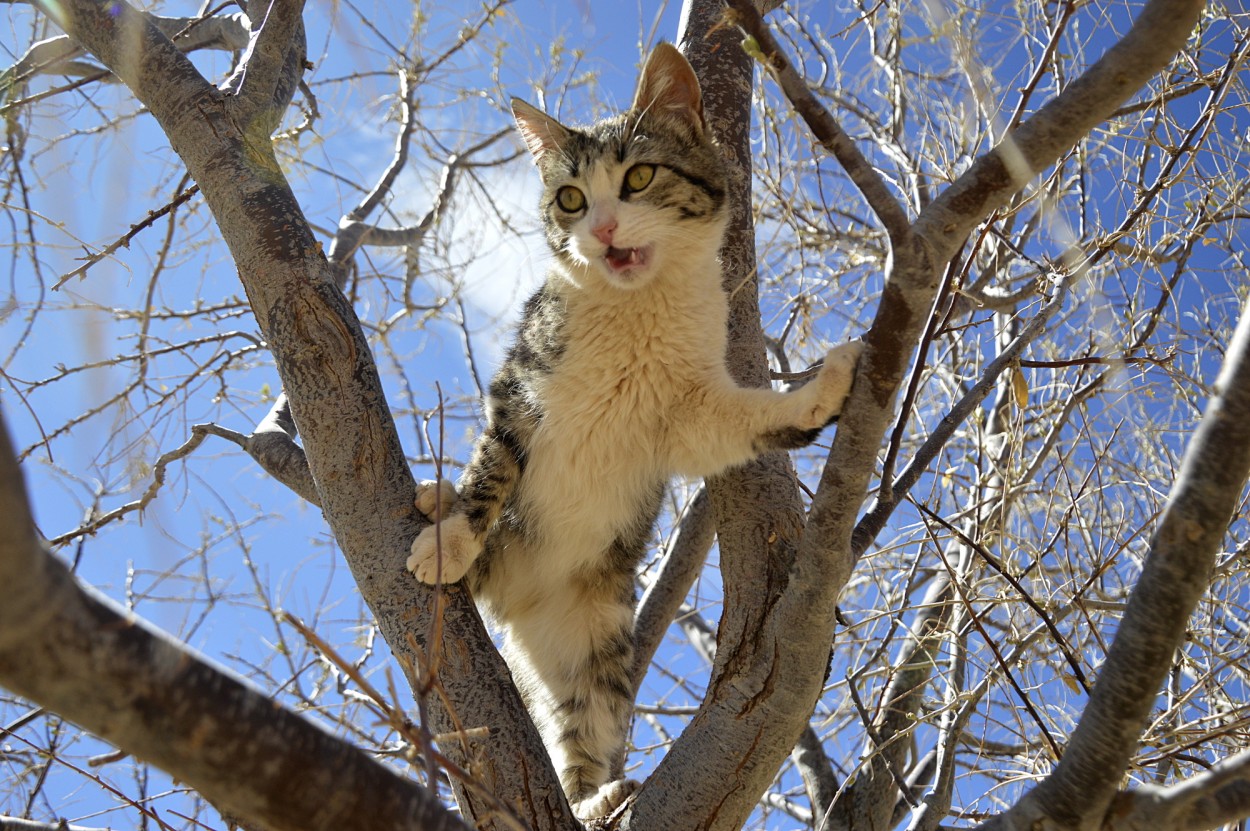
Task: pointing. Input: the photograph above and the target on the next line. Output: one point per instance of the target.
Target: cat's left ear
(541, 132)
(668, 86)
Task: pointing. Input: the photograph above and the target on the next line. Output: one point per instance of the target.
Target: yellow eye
(639, 176)
(570, 199)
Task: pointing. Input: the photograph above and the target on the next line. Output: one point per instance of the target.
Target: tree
(1015, 593)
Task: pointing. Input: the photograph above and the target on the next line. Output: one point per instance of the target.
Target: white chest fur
(609, 409)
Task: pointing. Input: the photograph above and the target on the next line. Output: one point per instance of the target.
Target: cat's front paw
(435, 498)
(604, 801)
(457, 544)
(829, 389)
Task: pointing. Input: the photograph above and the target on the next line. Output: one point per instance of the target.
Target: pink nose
(603, 231)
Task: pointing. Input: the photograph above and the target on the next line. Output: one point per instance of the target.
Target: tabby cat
(616, 382)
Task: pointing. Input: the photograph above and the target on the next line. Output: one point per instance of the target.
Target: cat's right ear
(542, 133)
(669, 88)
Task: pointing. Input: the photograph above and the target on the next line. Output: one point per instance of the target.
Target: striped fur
(616, 382)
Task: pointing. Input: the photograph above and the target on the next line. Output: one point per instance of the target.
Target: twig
(124, 239)
(198, 434)
(888, 210)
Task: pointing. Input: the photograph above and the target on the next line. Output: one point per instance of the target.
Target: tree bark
(80, 655)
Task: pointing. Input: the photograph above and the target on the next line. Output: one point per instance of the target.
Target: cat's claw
(607, 799)
(833, 384)
(435, 498)
(459, 548)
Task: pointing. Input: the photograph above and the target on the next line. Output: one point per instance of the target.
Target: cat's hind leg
(576, 657)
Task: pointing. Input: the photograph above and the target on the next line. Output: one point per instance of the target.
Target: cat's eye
(570, 199)
(639, 176)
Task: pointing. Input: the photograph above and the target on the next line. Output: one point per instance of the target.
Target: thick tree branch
(271, 68)
(682, 563)
(1208, 800)
(1174, 577)
(826, 554)
(96, 664)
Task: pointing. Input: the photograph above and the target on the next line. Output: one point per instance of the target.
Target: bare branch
(81, 656)
(15, 824)
(824, 126)
(348, 434)
(679, 567)
(124, 239)
(158, 479)
(1175, 575)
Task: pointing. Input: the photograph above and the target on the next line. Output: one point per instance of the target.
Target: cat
(616, 381)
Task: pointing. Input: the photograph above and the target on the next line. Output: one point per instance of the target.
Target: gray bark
(80, 655)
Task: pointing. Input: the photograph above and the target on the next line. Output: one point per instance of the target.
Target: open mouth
(623, 259)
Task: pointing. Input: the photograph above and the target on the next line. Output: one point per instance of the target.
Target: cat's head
(638, 194)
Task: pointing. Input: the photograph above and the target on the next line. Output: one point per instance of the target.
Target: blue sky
(223, 544)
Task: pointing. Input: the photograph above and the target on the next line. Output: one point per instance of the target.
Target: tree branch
(869, 801)
(696, 530)
(270, 69)
(96, 664)
(1175, 575)
(819, 780)
(1209, 800)
(189, 34)
(15, 824)
(889, 211)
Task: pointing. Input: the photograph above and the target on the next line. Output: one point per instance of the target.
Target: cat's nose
(603, 231)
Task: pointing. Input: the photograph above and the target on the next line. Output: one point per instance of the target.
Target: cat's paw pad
(435, 498)
(832, 384)
(459, 548)
(604, 801)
